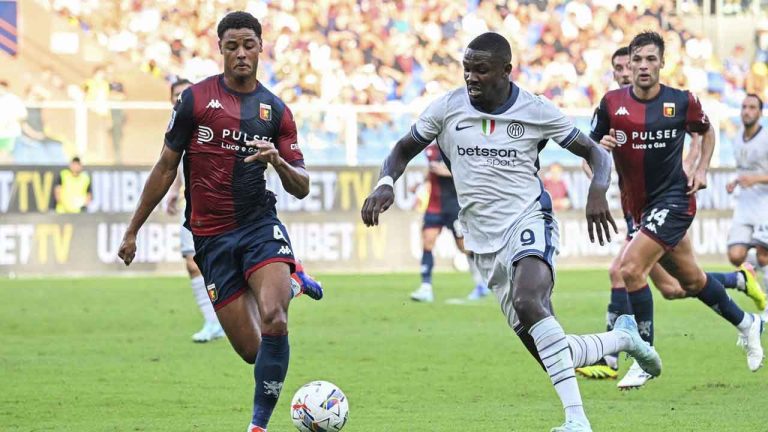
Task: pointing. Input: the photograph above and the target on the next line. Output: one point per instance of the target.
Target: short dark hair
(759, 101)
(238, 20)
(623, 51)
(647, 37)
(493, 43)
(76, 160)
(178, 82)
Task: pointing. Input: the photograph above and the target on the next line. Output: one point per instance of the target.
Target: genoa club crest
(265, 112)
(669, 109)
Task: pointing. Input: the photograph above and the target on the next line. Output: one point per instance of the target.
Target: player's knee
(274, 320)
(192, 267)
(737, 256)
(529, 308)
(762, 256)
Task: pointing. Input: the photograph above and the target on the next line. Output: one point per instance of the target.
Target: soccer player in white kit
(490, 135)
(750, 223)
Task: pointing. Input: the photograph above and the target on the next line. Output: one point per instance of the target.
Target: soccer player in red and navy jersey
(228, 128)
(620, 303)
(645, 125)
(442, 211)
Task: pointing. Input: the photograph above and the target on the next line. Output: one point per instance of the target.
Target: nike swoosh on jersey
(460, 127)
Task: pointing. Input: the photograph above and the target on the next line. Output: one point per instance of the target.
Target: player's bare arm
(598, 214)
(698, 179)
(295, 180)
(159, 181)
(694, 151)
(394, 165)
(172, 199)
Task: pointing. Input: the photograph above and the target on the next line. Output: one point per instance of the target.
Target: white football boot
(573, 426)
(424, 294)
(636, 377)
(209, 332)
(751, 343)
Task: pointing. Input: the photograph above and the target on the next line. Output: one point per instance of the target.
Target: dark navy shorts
(227, 260)
(448, 219)
(632, 228)
(667, 220)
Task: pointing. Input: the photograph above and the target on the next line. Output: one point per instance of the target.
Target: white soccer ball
(319, 407)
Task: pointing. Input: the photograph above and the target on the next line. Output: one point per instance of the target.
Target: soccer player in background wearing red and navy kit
(645, 125)
(442, 211)
(229, 128)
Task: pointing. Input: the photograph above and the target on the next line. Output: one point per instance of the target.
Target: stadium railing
(328, 134)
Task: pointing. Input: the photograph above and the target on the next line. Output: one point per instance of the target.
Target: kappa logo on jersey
(622, 111)
(204, 134)
(488, 126)
(285, 250)
(265, 111)
(515, 130)
(669, 109)
(621, 138)
(214, 103)
(213, 293)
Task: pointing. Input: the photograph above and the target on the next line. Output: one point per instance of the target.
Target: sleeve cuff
(417, 136)
(570, 138)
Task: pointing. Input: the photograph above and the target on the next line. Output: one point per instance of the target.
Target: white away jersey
(494, 159)
(751, 158)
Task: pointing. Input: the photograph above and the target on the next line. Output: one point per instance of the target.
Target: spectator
(72, 189)
(12, 113)
(35, 146)
(558, 190)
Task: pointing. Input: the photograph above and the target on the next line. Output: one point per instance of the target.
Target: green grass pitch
(115, 354)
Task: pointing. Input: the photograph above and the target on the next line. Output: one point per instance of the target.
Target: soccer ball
(319, 407)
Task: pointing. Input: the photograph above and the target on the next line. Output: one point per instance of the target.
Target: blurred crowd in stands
(375, 52)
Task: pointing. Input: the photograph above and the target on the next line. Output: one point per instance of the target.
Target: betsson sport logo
(491, 156)
(229, 139)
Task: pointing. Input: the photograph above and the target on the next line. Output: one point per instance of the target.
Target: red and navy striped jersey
(211, 124)
(650, 136)
(442, 192)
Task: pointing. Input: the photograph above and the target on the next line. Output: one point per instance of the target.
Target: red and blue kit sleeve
(181, 125)
(696, 119)
(287, 140)
(601, 122)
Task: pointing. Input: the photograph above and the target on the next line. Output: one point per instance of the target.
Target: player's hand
(746, 181)
(171, 203)
(609, 141)
(731, 186)
(599, 216)
(265, 152)
(697, 181)
(377, 203)
(127, 249)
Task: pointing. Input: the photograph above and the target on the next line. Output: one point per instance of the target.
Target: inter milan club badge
(515, 130)
(669, 109)
(265, 112)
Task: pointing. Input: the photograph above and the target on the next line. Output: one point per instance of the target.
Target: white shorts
(187, 242)
(748, 235)
(536, 235)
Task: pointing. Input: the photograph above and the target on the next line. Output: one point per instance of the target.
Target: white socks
(201, 297)
(588, 349)
(554, 353)
(745, 323)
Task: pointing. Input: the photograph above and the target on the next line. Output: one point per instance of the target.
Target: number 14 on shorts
(656, 218)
